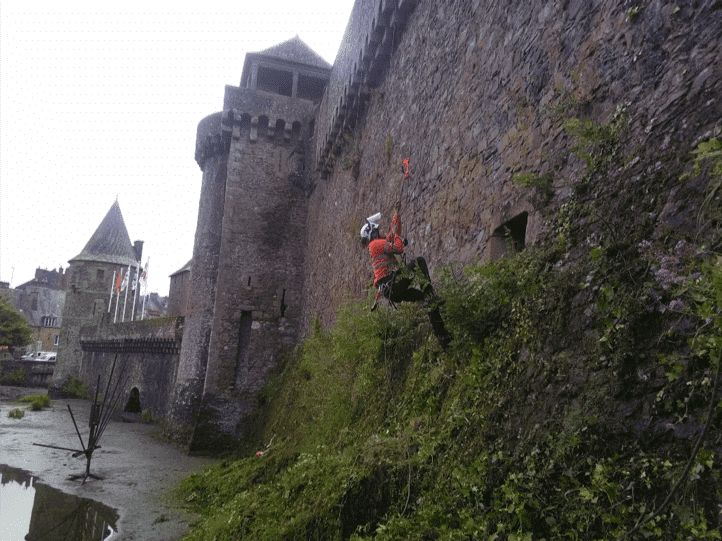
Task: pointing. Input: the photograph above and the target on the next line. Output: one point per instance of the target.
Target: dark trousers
(399, 289)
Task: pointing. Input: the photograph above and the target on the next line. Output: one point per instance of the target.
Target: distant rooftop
(184, 268)
(110, 243)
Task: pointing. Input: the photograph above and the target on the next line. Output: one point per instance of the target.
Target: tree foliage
(14, 330)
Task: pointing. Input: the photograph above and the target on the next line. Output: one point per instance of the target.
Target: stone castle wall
(147, 359)
(178, 294)
(472, 93)
(86, 301)
(247, 276)
(212, 156)
(475, 92)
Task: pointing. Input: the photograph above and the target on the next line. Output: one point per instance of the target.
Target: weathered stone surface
(147, 359)
(245, 299)
(108, 253)
(471, 92)
(475, 92)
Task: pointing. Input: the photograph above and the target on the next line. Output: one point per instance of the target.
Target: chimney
(138, 248)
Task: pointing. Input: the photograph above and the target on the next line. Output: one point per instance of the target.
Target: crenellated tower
(244, 307)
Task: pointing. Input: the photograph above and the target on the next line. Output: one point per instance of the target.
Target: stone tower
(244, 307)
(89, 278)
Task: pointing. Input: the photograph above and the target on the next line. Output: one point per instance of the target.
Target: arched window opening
(509, 237)
(133, 405)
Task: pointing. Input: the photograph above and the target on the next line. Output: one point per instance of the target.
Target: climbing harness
(384, 288)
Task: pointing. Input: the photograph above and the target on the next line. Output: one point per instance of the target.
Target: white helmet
(371, 225)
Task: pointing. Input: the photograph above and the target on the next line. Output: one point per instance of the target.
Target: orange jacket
(383, 250)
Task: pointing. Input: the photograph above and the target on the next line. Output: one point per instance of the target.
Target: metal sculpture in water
(100, 415)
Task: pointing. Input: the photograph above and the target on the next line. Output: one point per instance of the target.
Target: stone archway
(133, 404)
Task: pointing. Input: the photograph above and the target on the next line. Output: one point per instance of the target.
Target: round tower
(246, 281)
(90, 277)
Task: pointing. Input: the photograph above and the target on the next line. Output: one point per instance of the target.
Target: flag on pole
(136, 287)
(145, 287)
(126, 279)
(112, 287)
(118, 283)
(126, 287)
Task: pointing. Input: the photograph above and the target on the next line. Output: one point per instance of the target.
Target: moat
(30, 509)
(40, 498)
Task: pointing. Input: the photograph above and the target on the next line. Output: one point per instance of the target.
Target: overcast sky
(101, 99)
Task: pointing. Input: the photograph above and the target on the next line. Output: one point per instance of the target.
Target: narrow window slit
(283, 303)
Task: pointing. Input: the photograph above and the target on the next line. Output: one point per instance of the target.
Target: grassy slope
(578, 382)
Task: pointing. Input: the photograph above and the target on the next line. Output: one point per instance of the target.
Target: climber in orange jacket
(393, 282)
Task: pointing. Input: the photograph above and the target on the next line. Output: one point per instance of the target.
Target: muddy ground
(139, 470)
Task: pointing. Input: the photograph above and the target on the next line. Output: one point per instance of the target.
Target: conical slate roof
(295, 50)
(110, 243)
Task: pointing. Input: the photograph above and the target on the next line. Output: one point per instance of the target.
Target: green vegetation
(146, 417)
(579, 398)
(708, 152)
(515, 433)
(16, 377)
(14, 330)
(16, 413)
(388, 148)
(633, 13)
(543, 185)
(74, 388)
(597, 145)
(37, 401)
(708, 159)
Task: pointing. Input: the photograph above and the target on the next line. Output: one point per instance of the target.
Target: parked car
(48, 356)
(42, 356)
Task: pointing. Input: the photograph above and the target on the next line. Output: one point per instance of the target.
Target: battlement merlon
(254, 114)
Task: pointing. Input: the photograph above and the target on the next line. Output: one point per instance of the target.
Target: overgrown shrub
(16, 413)
(516, 432)
(37, 401)
(74, 388)
(579, 398)
(16, 377)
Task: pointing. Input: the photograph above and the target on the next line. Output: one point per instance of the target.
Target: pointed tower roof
(110, 243)
(295, 50)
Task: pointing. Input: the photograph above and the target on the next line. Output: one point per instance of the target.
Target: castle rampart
(146, 355)
(474, 94)
(372, 34)
(477, 92)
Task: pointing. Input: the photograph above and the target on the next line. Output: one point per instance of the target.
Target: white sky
(103, 99)
(16, 509)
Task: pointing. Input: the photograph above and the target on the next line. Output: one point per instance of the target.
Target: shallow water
(33, 511)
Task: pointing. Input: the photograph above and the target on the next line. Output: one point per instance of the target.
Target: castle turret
(89, 278)
(246, 282)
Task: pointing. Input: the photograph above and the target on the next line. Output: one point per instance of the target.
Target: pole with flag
(112, 286)
(145, 287)
(136, 286)
(118, 284)
(126, 286)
